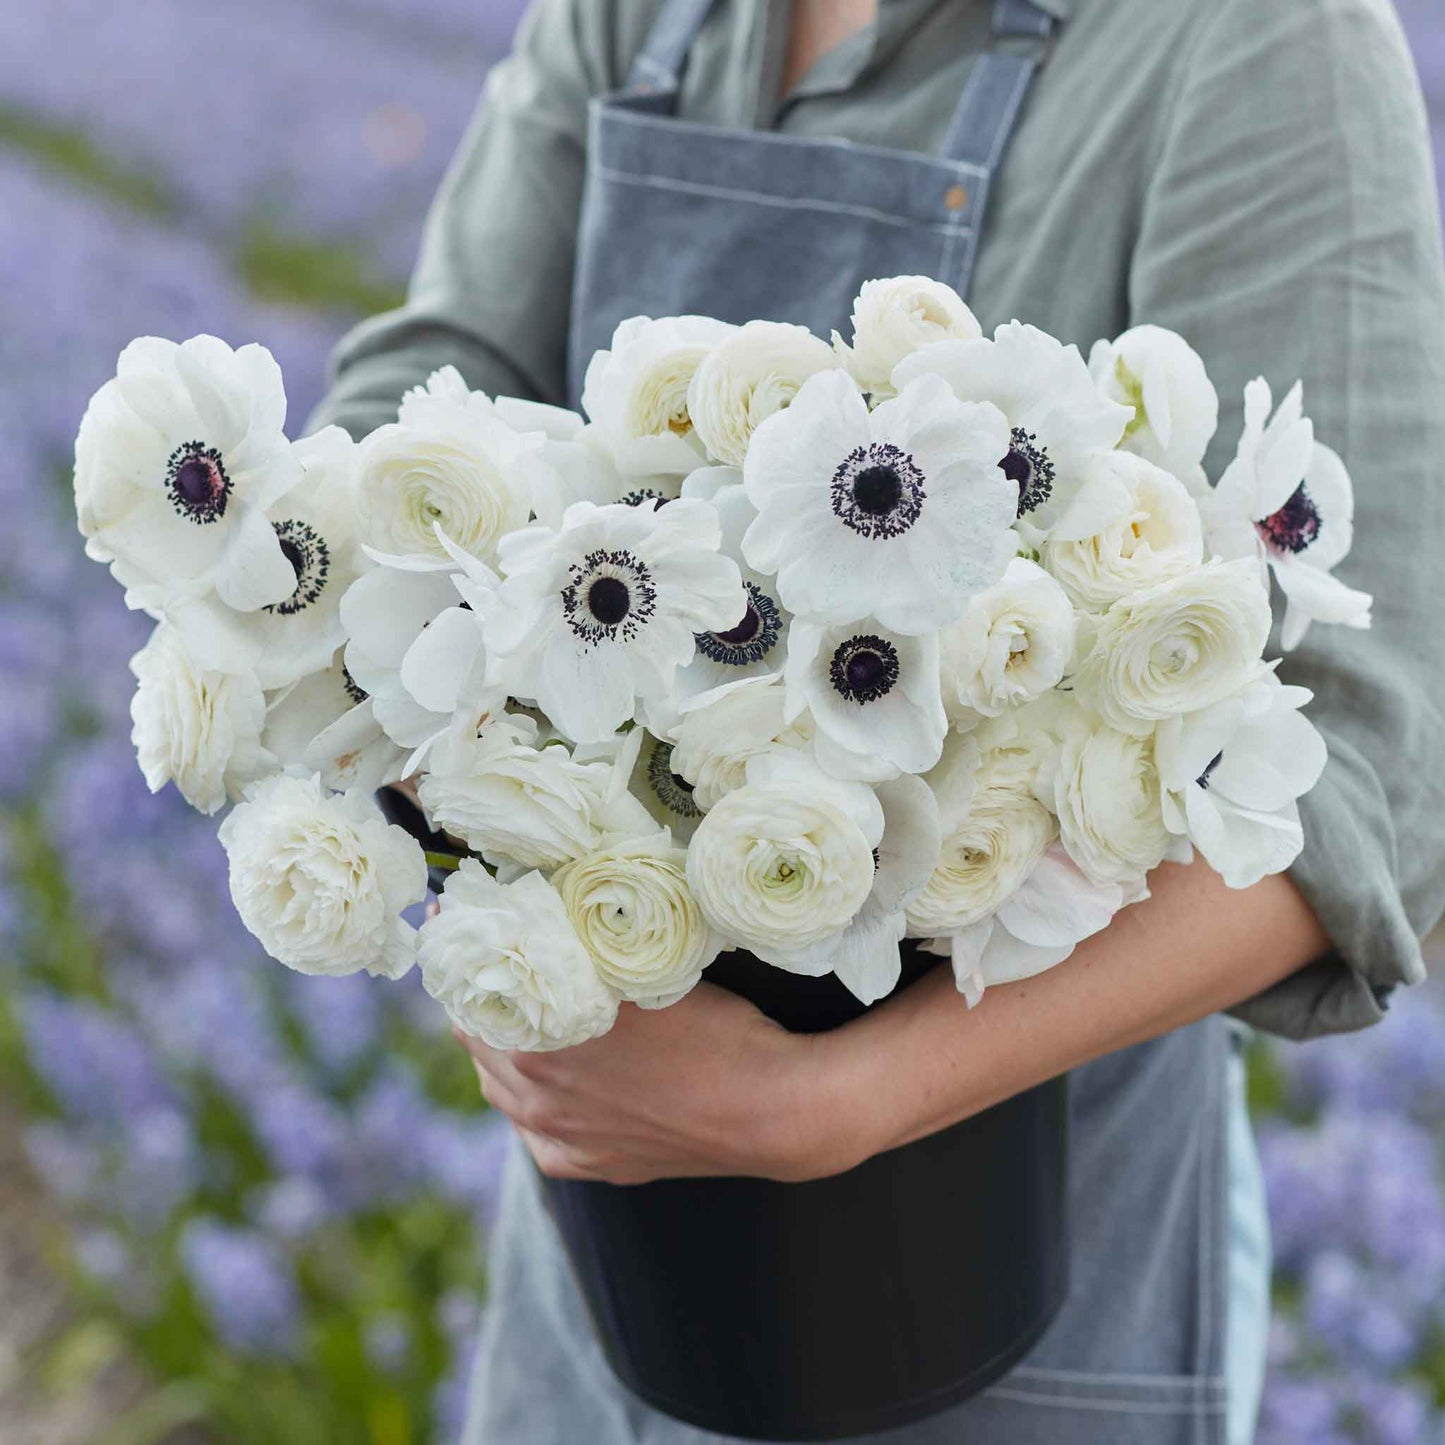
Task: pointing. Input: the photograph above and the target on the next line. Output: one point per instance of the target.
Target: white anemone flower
(1176, 408)
(450, 463)
(866, 958)
(901, 514)
(1288, 500)
(668, 796)
(755, 645)
(1037, 927)
(599, 613)
(753, 374)
(1232, 775)
(636, 391)
(895, 316)
(416, 644)
(178, 458)
(1057, 421)
(873, 694)
(583, 468)
(1013, 644)
(316, 525)
(325, 724)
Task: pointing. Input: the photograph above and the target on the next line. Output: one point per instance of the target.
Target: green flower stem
(447, 862)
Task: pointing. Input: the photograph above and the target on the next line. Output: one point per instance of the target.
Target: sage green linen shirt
(1252, 173)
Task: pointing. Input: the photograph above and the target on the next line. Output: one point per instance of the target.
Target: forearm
(924, 1060)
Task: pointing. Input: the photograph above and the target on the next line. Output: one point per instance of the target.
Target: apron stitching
(1015, 100)
(728, 193)
(1120, 1405)
(914, 158)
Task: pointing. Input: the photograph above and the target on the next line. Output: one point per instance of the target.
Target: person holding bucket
(1251, 173)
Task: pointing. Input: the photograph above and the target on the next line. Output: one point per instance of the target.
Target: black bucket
(836, 1307)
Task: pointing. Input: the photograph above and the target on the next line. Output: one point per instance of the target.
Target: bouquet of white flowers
(788, 647)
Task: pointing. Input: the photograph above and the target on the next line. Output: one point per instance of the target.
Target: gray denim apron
(679, 217)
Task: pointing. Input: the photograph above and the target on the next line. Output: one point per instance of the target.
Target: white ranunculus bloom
(719, 732)
(178, 458)
(754, 374)
(600, 613)
(322, 881)
(514, 800)
(633, 910)
(325, 724)
(1157, 535)
(900, 514)
(1013, 644)
(1038, 926)
(873, 696)
(866, 958)
(1232, 774)
(505, 962)
(451, 463)
(636, 392)
(316, 524)
(994, 831)
(893, 318)
(1287, 500)
(1056, 417)
(1106, 795)
(199, 730)
(1176, 409)
(1176, 647)
(782, 865)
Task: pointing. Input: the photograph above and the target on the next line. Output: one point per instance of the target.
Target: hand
(710, 1086)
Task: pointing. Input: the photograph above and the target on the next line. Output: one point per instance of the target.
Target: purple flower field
(272, 1190)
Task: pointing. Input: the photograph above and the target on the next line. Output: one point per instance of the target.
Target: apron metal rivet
(955, 198)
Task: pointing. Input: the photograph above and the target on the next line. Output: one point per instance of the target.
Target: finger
(554, 1159)
(434, 907)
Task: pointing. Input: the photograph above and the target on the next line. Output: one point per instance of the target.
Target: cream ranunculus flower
(448, 462)
(721, 730)
(896, 316)
(1176, 409)
(199, 730)
(514, 801)
(1106, 795)
(782, 864)
(1013, 644)
(631, 906)
(1176, 647)
(752, 375)
(1159, 535)
(322, 881)
(994, 831)
(505, 962)
(636, 393)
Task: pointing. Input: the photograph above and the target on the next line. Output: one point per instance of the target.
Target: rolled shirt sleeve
(492, 287)
(1292, 216)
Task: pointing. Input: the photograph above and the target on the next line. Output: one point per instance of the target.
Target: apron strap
(659, 63)
(989, 107)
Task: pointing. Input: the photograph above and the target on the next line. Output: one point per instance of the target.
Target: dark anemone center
(608, 600)
(864, 669)
(745, 631)
(1295, 526)
(197, 482)
(294, 555)
(1028, 467)
(876, 490)
(673, 791)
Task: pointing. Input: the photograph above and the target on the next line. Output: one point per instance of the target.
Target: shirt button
(955, 198)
